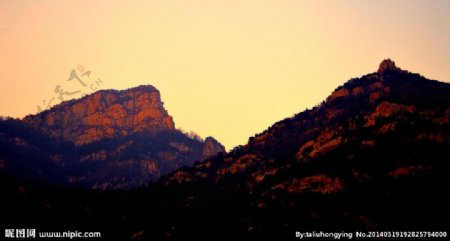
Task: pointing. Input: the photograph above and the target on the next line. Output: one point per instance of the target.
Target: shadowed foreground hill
(373, 156)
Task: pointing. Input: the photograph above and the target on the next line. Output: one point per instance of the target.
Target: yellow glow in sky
(228, 69)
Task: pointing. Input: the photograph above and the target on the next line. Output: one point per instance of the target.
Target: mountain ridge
(109, 139)
(377, 93)
(369, 147)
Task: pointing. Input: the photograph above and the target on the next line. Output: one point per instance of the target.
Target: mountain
(373, 156)
(107, 140)
(359, 160)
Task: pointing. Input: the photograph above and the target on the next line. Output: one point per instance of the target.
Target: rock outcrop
(387, 65)
(212, 147)
(105, 114)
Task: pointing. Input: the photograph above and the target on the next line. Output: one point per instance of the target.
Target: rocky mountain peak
(105, 114)
(387, 65)
(373, 86)
(212, 147)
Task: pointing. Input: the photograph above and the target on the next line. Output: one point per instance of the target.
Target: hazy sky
(227, 68)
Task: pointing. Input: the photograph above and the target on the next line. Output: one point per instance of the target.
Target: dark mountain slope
(27, 153)
(358, 160)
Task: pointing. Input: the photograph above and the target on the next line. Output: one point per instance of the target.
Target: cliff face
(105, 114)
(107, 140)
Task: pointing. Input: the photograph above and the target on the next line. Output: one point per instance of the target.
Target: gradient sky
(228, 69)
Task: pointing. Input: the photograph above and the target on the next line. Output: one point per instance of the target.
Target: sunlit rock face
(105, 114)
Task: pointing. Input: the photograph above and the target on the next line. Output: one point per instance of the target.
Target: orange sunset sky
(228, 69)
